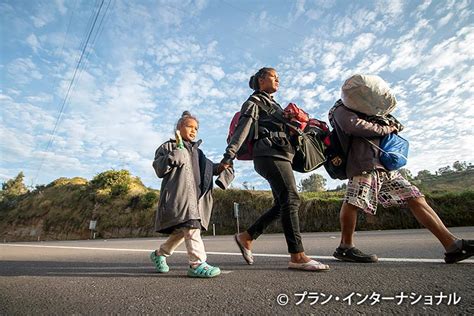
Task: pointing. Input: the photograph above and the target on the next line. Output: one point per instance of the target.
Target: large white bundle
(368, 94)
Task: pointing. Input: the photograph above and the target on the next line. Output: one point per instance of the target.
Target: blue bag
(393, 151)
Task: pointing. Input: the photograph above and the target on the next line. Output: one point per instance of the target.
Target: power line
(63, 105)
(99, 29)
(60, 54)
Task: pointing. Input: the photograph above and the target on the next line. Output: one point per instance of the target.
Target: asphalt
(116, 277)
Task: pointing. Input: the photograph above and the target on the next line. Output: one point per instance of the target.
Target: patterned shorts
(388, 188)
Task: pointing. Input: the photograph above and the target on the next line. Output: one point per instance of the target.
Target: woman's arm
(353, 125)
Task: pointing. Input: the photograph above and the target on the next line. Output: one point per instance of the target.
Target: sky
(92, 85)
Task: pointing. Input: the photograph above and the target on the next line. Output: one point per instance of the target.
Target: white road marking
(120, 273)
(223, 253)
(99, 273)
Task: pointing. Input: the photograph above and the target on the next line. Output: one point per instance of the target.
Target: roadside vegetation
(124, 207)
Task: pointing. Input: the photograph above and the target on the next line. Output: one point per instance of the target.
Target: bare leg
(299, 257)
(348, 220)
(245, 239)
(427, 217)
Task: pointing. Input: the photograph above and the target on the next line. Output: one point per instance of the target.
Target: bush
(119, 189)
(148, 199)
(118, 181)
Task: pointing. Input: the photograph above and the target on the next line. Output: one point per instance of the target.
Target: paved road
(115, 276)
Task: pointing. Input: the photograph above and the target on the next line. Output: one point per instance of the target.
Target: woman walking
(272, 157)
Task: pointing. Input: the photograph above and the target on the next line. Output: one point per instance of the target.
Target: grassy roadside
(63, 209)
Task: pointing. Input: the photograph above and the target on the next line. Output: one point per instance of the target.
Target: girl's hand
(222, 167)
(177, 158)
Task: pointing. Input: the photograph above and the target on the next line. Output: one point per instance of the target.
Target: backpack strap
(257, 101)
(333, 123)
(266, 105)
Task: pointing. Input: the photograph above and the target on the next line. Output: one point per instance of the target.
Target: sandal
(204, 270)
(159, 262)
(247, 254)
(466, 251)
(312, 265)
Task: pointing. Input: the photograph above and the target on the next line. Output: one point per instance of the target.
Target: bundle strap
(384, 151)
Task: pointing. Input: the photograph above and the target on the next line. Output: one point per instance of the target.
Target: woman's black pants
(280, 175)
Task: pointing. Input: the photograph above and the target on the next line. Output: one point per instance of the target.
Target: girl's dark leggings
(280, 175)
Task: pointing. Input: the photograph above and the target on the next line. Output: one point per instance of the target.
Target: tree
(315, 183)
(15, 186)
(406, 173)
(341, 187)
(423, 174)
(445, 170)
(459, 166)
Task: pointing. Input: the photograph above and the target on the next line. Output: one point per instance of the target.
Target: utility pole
(236, 215)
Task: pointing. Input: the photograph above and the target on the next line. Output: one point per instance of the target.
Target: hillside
(124, 207)
(449, 182)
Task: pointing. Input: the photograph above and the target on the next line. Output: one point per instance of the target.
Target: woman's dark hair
(253, 82)
(185, 116)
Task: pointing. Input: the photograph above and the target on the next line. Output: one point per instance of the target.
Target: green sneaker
(204, 270)
(159, 262)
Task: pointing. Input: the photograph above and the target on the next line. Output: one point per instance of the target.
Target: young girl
(185, 198)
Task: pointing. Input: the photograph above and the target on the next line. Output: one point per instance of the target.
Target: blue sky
(147, 61)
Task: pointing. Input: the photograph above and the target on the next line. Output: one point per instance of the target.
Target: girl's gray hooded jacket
(186, 190)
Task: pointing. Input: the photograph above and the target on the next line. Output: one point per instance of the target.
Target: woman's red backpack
(246, 150)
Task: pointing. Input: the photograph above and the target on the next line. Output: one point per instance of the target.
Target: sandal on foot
(159, 262)
(204, 270)
(466, 251)
(247, 254)
(312, 265)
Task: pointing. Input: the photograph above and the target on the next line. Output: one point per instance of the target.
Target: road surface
(116, 276)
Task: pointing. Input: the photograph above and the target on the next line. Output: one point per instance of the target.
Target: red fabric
(296, 115)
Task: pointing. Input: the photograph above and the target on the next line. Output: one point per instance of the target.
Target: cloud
(154, 60)
(298, 10)
(372, 64)
(444, 20)
(344, 26)
(14, 146)
(409, 50)
(23, 70)
(451, 52)
(61, 6)
(40, 98)
(217, 73)
(362, 43)
(175, 51)
(407, 54)
(422, 7)
(354, 22)
(44, 14)
(172, 14)
(392, 9)
(32, 40)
